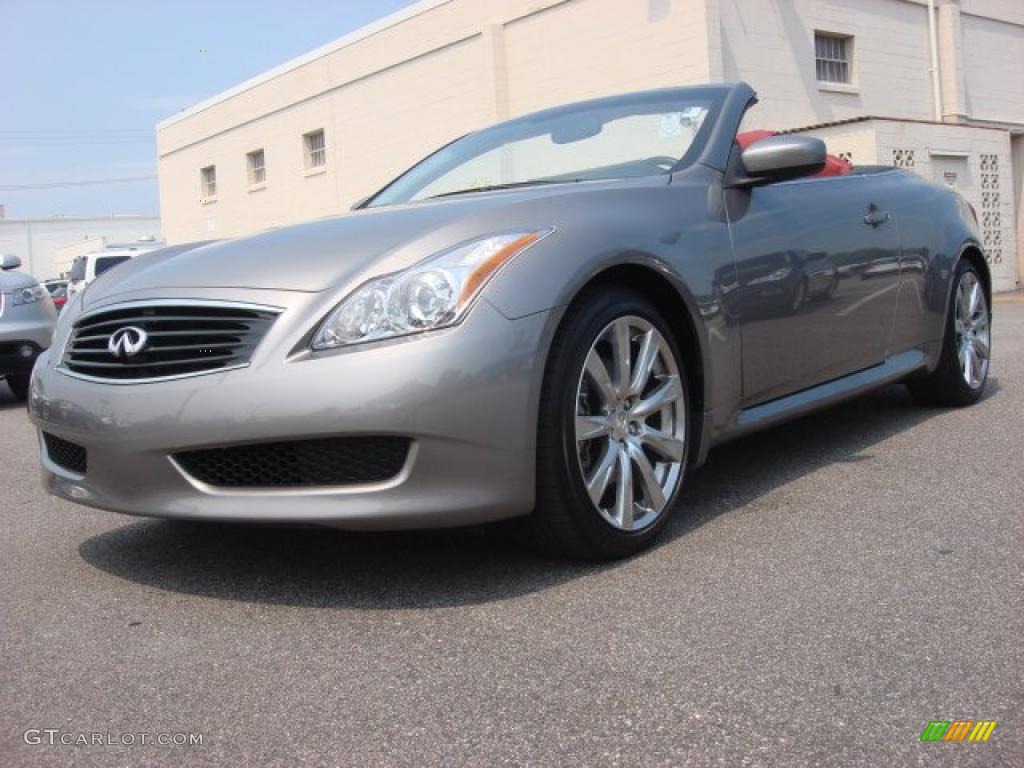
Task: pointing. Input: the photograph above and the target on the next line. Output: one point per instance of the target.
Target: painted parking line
(1016, 297)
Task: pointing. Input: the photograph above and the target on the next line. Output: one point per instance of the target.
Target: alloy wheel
(630, 423)
(972, 330)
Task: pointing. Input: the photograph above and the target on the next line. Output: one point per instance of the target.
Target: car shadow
(739, 472)
(7, 399)
(327, 568)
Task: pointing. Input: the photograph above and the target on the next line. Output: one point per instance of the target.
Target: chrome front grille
(178, 339)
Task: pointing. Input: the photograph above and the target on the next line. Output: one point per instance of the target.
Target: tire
(833, 286)
(968, 323)
(799, 296)
(18, 382)
(567, 521)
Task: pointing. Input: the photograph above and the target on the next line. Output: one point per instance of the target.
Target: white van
(89, 266)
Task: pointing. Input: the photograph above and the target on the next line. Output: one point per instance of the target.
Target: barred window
(316, 149)
(208, 181)
(256, 164)
(832, 57)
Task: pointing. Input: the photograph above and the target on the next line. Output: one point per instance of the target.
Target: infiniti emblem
(127, 342)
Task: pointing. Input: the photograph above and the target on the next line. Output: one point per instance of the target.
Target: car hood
(326, 253)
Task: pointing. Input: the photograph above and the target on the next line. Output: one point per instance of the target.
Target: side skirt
(894, 368)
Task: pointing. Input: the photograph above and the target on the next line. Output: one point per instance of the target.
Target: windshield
(637, 135)
(106, 262)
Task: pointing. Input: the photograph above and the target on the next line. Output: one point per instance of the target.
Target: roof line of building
(58, 219)
(318, 94)
(355, 36)
(865, 118)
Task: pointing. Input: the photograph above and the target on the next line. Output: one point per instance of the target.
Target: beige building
(934, 86)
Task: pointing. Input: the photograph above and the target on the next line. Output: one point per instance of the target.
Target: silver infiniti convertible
(553, 319)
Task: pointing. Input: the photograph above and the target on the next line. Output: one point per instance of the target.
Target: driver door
(818, 273)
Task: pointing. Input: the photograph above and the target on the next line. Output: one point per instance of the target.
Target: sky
(83, 84)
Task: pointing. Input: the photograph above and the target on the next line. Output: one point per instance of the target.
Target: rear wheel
(959, 378)
(612, 433)
(18, 382)
(833, 285)
(799, 295)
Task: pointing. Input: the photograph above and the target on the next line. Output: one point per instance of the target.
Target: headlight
(29, 295)
(435, 293)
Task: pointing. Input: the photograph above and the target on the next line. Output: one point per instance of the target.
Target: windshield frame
(713, 96)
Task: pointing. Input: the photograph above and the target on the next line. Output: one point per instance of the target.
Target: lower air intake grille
(65, 454)
(326, 461)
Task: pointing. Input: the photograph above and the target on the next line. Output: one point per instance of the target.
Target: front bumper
(18, 356)
(466, 396)
(29, 330)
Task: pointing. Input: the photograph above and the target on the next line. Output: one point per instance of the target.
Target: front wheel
(959, 378)
(612, 438)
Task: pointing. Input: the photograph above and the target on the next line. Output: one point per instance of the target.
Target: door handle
(876, 217)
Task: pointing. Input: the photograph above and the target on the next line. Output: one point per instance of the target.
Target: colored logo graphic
(958, 730)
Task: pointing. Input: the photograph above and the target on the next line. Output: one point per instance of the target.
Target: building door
(954, 171)
(980, 179)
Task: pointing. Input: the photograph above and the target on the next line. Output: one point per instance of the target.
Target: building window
(991, 216)
(316, 149)
(257, 167)
(208, 181)
(832, 57)
(903, 158)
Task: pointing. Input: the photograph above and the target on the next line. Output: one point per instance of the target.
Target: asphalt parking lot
(831, 586)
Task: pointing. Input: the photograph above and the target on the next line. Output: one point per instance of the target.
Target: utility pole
(28, 238)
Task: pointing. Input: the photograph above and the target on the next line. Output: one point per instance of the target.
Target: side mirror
(9, 261)
(777, 158)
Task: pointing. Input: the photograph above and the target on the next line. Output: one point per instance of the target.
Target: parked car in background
(58, 292)
(554, 318)
(89, 266)
(27, 319)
